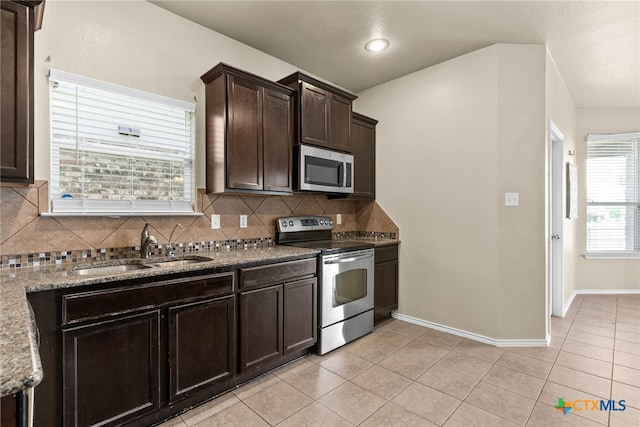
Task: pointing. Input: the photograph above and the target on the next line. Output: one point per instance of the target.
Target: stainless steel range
(345, 286)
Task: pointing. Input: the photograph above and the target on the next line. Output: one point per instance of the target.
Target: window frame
(184, 206)
(609, 253)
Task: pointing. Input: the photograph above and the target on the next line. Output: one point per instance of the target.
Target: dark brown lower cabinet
(385, 294)
(201, 344)
(111, 369)
(260, 326)
(300, 314)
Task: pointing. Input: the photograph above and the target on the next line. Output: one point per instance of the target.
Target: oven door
(346, 287)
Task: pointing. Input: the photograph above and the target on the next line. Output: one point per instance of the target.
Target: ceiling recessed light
(376, 45)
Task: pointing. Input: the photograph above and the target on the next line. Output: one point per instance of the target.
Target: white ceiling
(595, 44)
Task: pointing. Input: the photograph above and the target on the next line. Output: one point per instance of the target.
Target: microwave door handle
(350, 259)
(341, 175)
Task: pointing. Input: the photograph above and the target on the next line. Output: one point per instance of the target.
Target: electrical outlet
(243, 221)
(338, 219)
(215, 222)
(512, 199)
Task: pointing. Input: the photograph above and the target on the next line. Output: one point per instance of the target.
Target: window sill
(612, 255)
(116, 214)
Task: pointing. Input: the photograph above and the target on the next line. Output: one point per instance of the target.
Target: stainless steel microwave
(324, 170)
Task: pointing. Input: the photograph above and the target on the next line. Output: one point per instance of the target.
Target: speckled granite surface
(20, 366)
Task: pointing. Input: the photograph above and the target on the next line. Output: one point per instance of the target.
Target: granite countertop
(20, 366)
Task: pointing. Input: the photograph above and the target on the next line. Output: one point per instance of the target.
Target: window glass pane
(112, 144)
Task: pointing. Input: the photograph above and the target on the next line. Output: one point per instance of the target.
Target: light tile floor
(407, 375)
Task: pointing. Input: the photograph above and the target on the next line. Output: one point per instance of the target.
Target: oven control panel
(292, 224)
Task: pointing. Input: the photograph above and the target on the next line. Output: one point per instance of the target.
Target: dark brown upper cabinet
(249, 133)
(20, 19)
(363, 142)
(323, 113)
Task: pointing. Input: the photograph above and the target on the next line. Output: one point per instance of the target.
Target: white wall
(451, 140)
(561, 109)
(598, 274)
(138, 45)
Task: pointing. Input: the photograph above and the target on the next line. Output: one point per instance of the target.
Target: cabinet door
(363, 143)
(385, 289)
(201, 344)
(16, 99)
(277, 142)
(314, 115)
(111, 370)
(300, 324)
(260, 327)
(340, 123)
(244, 138)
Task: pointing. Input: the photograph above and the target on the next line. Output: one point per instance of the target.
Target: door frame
(556, 267)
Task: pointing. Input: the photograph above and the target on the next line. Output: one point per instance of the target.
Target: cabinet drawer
(276, 273)
(386, 253)
(90, 305)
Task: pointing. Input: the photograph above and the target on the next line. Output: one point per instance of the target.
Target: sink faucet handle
(170, 246)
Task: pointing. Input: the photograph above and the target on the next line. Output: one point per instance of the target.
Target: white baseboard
(473, 336)
(605, 291)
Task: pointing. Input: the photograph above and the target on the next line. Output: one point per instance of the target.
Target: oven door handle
(350, 259)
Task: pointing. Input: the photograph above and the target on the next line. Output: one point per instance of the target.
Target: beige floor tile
(423, 350)
(345, 364)
(588, 350)
(469, 416)
(406, 365)
(292, 368)
(525, 364)
(485, 396)
(315, 381)
(628, 327)
(479, 350)
(582, 381)
(559, 332)
(392, 415)
(607, 331)
(352, 402)
(410, 330)
(556, 342)
(586, 323)
(209, 409)
(464, 364)
(548, 416)
(277, 402)
(589, 338)
(628, 347)
(376, 347)
(174, 422)
(238, 415)
(626, 392)
(559, 322)
(256, 385)
(517, 382)
(633, 337)
(381, 381)
(598, 316)
(449, 382)
(315, 415)
(626, 359)
(551, 392)
(630, 376)
(441, 339)
(427, 402)
(630, 417)
(548, 354)
(585, 364)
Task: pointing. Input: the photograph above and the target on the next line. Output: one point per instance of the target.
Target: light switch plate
(512, 199)
(338, 219)
(215, 222)
(243, 221)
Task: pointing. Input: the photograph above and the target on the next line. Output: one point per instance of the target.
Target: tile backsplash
(27, 238)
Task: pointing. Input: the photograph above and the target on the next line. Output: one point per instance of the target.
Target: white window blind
(118, 151)
(613, 193)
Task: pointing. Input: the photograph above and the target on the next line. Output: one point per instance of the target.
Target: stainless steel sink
(180, 262)
(109, 269)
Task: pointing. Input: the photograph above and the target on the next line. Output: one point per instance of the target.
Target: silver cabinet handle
(555, 236)
(351, 259)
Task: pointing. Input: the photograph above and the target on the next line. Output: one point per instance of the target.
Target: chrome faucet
(169, 246)
(146, 240)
